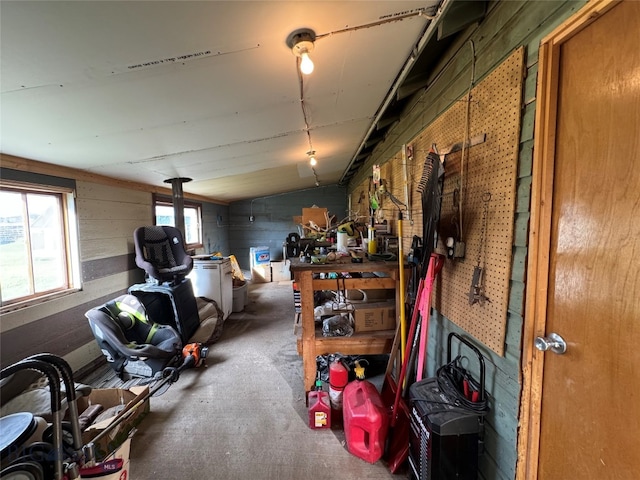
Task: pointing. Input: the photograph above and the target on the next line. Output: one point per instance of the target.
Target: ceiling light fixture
(301, 43)
(312, 158)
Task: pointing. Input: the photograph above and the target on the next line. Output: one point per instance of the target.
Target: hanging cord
(450, 378)
(465, 142)
(305, 116)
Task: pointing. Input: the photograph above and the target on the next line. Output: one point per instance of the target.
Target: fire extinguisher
(338, 379)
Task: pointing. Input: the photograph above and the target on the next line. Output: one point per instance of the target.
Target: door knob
(553, 342)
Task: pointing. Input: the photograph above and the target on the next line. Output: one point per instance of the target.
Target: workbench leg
(305, 283)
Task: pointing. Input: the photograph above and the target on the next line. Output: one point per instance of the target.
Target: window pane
(47, 247)
(14, 253)
(191, 225)
(164, 215)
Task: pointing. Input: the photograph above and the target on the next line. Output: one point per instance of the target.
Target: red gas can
(365, 420)
(319, 409)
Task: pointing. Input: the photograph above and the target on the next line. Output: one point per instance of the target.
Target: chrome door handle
(553, 342)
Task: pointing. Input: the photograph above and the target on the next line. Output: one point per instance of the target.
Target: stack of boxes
(264, 270)
(260, 262)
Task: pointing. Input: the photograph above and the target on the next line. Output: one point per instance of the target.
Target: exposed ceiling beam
(424, 39)
(461, 14)
(386, 121)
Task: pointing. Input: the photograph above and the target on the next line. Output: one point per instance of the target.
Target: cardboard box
(315, 215)
(261, 273)
(108, 470)
(369, 317)
(280, 271)
(111, 397)
(259, 256)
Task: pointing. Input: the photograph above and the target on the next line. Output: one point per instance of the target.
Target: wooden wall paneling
(448, 83)
(490, 168)
(102, 247)
(391, 173)
(122, 229)
(360, 202)
(99, 191)
(90, 290)
(114, 210)
(108, 216)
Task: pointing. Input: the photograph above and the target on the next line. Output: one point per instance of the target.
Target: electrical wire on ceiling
(305, 117)
(417, 13)
(306, 38)
(434, 20)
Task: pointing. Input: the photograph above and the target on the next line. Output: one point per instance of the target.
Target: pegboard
(490, 168)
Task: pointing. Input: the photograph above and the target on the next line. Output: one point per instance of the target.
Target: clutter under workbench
(307, 277)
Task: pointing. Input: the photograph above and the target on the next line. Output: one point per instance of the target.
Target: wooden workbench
(309, 344)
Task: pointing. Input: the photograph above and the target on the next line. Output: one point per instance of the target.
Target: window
(192, 224)
(38, 242)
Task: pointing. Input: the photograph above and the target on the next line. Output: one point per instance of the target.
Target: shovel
(398, 434)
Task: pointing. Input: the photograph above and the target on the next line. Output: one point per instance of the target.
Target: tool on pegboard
(455, 243)
(477, 293)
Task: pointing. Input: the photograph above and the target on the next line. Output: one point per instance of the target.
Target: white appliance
(212, 279)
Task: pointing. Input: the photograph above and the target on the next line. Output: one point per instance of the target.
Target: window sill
(36, 301)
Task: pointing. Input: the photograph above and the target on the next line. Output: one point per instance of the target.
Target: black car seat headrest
(158, 250)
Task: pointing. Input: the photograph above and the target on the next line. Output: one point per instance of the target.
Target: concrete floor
(244, 415)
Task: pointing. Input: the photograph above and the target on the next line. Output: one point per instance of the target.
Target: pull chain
(482, 251)
(476, 293)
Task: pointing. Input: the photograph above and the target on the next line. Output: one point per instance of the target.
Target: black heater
(447, 423)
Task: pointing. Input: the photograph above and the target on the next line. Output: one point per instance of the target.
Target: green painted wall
(273, 219)
(507, 26)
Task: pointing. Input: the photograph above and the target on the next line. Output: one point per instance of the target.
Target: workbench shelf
(310, 342)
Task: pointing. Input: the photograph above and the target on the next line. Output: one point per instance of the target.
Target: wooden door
(590, 401)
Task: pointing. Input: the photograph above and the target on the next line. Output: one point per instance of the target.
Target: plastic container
(338, 379)
(343, 240)
(365, 420)
(260, 256)
(240, 297)
(372, 244)
(319, 409)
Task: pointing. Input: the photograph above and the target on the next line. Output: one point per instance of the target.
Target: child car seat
(133, 344)
(160, 252)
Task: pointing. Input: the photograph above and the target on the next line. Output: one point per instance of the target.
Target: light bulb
(306, 64)
(312, 161)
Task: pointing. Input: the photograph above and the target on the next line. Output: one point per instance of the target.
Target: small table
(367, 343)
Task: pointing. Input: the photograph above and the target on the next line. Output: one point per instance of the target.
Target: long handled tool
(403, 320)
(169, 375)
(430, 189)
(398, 445)
(436, 262)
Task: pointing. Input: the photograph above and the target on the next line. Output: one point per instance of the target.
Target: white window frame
(160, 201)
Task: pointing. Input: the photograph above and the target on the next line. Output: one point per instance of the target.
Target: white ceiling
(101, 86)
